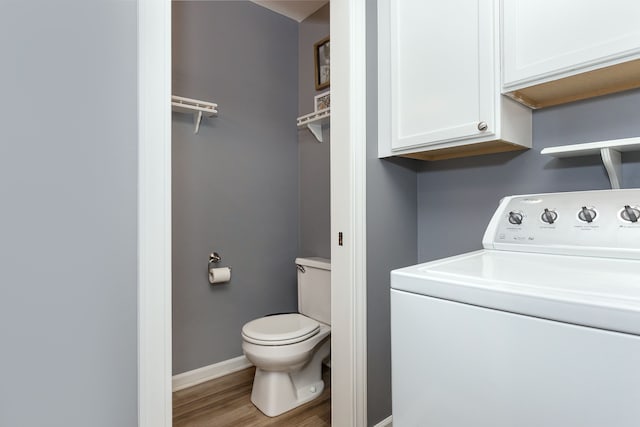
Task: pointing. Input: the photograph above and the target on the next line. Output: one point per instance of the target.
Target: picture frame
(322, 101)
(322, 59)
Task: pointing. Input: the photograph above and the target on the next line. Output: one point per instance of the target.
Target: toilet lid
(280, 329)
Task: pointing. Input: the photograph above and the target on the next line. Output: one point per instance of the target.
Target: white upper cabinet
(439, 82)
(557, 51)
(438, 73)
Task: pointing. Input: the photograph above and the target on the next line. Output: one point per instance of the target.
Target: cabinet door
(441, 71)
(546, 39)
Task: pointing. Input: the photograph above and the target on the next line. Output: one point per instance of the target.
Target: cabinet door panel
(441, 70)
(543, 38)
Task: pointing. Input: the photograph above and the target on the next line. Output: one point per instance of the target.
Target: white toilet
(288, 349)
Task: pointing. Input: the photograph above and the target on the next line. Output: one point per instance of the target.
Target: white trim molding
(154, 213)
(387, 422)
(208, 373)
(348, 214)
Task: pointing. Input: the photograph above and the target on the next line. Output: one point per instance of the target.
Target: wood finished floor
(226, 401)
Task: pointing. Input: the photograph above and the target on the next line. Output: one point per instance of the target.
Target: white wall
(68, 176)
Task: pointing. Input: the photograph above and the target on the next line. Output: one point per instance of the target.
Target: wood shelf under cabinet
(469, 150)
(602, 81)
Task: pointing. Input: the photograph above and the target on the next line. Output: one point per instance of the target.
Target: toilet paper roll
(219, 275)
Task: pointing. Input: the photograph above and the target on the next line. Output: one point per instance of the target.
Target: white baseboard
(206, 373)
(387, 422)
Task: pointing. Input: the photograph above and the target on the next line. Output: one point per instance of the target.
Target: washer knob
(515, 217)
(587, 214)
(549, 216)
(630, 214)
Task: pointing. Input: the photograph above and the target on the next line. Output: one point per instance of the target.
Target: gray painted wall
(391, 238)
(456, 198)
(235, 184)
(315, 197)
(68, 218)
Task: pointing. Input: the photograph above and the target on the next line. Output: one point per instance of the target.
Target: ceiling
(298, 10)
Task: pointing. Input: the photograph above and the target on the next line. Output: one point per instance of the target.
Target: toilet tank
(314, 288)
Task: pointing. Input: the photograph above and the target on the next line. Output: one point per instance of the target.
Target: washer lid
(589, 291)
(280, 329)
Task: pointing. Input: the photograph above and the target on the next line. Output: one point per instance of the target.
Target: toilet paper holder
(217, 275)
(214, 257)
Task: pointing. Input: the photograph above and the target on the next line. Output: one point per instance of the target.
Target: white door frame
(154, 213)
(348, 158)
(348, 216)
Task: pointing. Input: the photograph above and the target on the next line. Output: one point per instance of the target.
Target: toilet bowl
(288, 371)
(288, 349)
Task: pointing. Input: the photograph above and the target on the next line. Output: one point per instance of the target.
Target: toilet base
(276, 392)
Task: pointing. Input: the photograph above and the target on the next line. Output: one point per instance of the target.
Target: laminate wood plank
(222, 391)
(240, 378)
(226, 402)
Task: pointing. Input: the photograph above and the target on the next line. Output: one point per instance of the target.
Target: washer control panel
(581, 223)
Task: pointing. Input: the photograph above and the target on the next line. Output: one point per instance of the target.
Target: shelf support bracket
(612, 160)
(197, 119)
(316, 130)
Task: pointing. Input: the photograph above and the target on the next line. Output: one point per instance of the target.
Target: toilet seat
(280, 329)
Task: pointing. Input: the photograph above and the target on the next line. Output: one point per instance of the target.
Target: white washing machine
(541, 328)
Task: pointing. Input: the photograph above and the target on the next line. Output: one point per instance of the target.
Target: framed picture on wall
(322, 101)
(321, 54)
